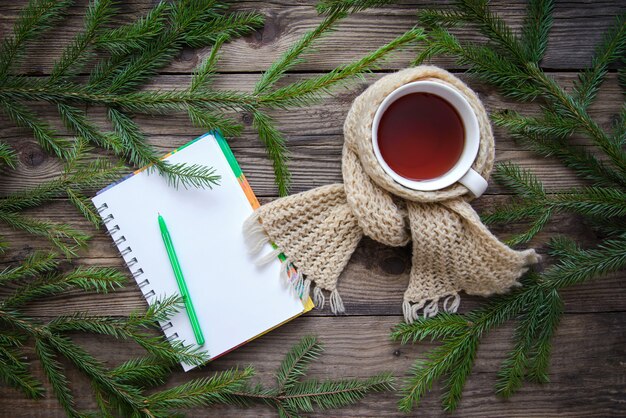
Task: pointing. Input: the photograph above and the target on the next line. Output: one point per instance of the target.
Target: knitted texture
(318, 230)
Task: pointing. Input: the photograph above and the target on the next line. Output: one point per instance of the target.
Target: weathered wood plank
(372, 284)
(319, 124)
(587, 371)
(587, 378)
(314, 143)
(578, 27)
(310, 167)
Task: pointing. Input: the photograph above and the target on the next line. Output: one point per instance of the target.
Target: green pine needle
(144, 372)
(34, 265)
(274, 143)
(65, 238)
(536, 28)
(133, 36)
(293, 396)
(351, 6)
(612, 48)
(201, 392)
(15, 372)
(577, 265)
(296, 362)
(292, 56)
(37, 17)
(47, 138)
(524, 183)
(54, 373)
(8, 156)
(78, 52)
(444, 325)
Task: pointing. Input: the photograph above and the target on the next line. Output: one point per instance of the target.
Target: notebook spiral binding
(113, 230)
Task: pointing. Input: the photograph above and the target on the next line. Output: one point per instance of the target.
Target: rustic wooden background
(588, 366)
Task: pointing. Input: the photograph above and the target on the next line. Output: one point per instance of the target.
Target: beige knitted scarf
(318, 230)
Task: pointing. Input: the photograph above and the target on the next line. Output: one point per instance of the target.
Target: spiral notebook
(235, 299)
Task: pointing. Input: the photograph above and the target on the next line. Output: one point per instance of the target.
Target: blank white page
(235, 299)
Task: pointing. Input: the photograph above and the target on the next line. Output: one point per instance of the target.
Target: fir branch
(296, 362)
(577, 265)
(444, 325)
(494, 28)
(136, 35)
(513, 369)
(537, 224)
(520, 126)
(457, 350)
(78, 52)
(206, 71)
(487, 64)
(15, 372)
(191, 176)
(333, 394)
(548, 137)
(274, 143)
(199, 392)
(433, 19)
(35, 18)
(54, 373)
(47, 138)
(136, 149)
(34, 265)
(94, 279)
(539, 358)
(536, 27)
(8, 156)
(209, 119)
(77, 121)
(84, 206)
(121, 390)
(438, 362)
(67, 239)
(143, 372)
(522, 182)
(349, 6)
(138, 152)
(79, 176)
(308, 91)
(128, 395)
(292, 56)
(455, 381)
(223, 27)
(612, 48)
(293, 396)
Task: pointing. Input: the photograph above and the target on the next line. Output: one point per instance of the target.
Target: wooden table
(588, 364)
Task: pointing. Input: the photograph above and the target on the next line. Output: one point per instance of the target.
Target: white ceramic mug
(461, 171)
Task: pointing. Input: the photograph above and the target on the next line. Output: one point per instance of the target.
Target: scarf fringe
(336, 303)
(430, 307)
(254, 234)
(318, 298)
(256, 238)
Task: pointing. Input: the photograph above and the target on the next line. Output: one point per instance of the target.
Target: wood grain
(314, 143)
(372, 284)
(578, 27)
(587, 370)
(587, 378)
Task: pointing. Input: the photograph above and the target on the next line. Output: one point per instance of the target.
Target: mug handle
(474, 182)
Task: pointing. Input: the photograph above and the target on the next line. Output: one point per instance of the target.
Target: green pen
(182, 286)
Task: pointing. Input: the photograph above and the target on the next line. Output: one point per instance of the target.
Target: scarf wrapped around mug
(318, 230)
